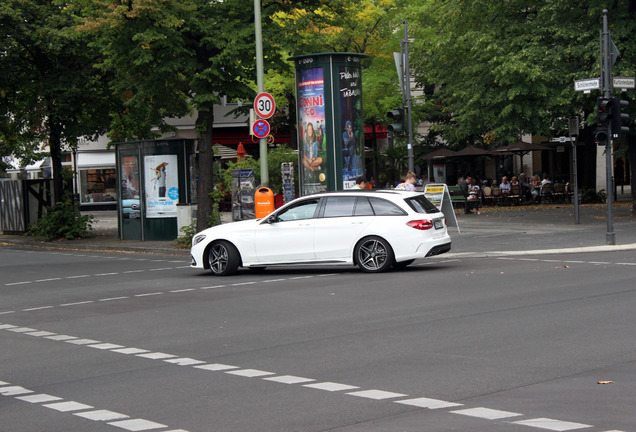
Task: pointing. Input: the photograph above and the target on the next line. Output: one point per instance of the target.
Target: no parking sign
(261, 128)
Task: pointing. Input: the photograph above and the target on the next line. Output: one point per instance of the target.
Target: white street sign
(587, 84)
(625, 82)
(563, 139)
(264, 105)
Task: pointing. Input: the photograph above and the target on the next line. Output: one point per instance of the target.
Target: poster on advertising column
(352, 127)
(162, 186)
(313, 151)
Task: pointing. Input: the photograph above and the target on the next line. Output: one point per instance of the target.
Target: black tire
(373, 255)
(223, 258)
(403, 264)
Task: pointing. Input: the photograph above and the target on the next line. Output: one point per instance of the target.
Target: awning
(86, 160)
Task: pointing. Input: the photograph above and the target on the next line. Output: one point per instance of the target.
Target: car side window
(339, 206)
(363, 208)
(383, 207)
(303, 210)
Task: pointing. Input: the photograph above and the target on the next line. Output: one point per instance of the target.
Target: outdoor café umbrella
(521, 148)
(472, 151)
(439, 154)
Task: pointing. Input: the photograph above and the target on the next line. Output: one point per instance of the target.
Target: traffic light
(397, 127)
(617, 118)
(603, 120)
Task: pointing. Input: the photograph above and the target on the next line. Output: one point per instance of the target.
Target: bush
(62, 221)
(591, 196)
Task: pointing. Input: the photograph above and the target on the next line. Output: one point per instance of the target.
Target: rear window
(420, 204)
(383, 207)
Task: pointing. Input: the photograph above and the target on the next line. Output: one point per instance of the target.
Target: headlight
(198, 239)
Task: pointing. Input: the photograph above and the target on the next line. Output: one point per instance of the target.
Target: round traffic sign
(260, 128)
(264, 105)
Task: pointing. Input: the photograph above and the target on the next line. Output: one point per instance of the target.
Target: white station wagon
(375, 230)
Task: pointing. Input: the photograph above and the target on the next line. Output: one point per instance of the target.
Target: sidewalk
(496, 229)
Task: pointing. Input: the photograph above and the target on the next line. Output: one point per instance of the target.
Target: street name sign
(624, 82)
(587, 85)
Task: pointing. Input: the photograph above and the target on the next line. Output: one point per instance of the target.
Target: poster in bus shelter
(312, 130)
(351, 121)
(162, 186)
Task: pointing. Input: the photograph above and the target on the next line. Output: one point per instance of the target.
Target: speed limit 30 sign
(264, 105)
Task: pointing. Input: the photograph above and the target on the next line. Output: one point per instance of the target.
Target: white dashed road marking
(486, 413)
(551, 424)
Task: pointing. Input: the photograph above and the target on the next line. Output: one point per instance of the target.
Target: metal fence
(22, 202)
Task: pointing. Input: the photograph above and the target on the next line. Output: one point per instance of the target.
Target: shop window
(98, 185)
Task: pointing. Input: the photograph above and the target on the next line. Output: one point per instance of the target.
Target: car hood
(231, 227)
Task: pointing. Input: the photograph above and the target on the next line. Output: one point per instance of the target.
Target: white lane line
(37, 308)
(101, 415)
(552, 424)
(40, 333)
(7, 312)
(68, 406)
(106, 274)
(21, 329)
(48, 280)
(301, 277)
(626, 264)
(77, 303)
(14, 390)
(6, 326)
(428, 403)
(18, 283)
(113, 298)
(599, 262)
(242, 283)
(156, 355)
(212, 287)
(161, 269)
(273, 280)
(134, 271)
(77, 277)
(377, 394)
(39, 398)
(130, 351)
(216, 367)
(289, 379)
(137, 425)
(106, 346)
(184, 361)
(61, 337)
(148, 294)
(486, 413)
(183, 290)
(249, 373)
(331, 386)
(82, 341)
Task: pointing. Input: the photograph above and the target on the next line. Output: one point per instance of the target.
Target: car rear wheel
(373, 255)
(223, 258)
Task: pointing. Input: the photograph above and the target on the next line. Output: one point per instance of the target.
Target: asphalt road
(471, 341)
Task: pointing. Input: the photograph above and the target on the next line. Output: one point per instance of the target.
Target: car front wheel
(223, 258)
(373, 255)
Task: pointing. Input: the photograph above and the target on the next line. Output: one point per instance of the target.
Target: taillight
(423, 224)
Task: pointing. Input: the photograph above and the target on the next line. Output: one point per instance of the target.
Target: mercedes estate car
(374, 230)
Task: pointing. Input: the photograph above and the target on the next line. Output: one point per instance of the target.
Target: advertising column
(330, 121)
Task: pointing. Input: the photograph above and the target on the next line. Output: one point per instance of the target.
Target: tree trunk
(55, 134)
(205, 165)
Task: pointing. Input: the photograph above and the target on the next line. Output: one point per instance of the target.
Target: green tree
(504, 69)
(50, 94)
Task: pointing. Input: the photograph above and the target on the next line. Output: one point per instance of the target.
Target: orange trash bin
(263, 202)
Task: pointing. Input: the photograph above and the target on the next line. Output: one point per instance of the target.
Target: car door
(287, 236)
(340, 224)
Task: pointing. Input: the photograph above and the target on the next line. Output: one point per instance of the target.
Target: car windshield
(421, 204)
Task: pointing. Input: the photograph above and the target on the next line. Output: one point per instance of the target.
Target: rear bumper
(439, 249)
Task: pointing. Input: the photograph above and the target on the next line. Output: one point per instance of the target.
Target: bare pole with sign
(573, 129)
(260, 85)
(607, 82)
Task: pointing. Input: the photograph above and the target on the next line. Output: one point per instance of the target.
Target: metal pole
(573, 129)
(260, 85)
(606, 76)
(407, 85)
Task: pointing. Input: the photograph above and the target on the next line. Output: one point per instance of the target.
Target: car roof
(368, 192)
